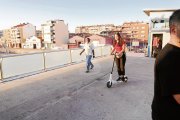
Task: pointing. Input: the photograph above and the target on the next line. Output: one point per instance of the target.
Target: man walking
(166, 101)
(89, 51)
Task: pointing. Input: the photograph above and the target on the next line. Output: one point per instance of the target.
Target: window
(159, 25)
(142, 36)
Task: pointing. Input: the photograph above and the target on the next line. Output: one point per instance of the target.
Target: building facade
(75, 42)
(99, 40)
(17, 35)
(33, 43)
(159, 27)
(135, 32)
(6, 38)
(39, 34)
(55, 33)
(95, 29)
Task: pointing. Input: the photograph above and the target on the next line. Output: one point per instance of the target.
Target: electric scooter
(110, 82)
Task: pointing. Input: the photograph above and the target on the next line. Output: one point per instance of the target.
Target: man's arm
(177, 98)
(92, 49)
(93, 54)
(82, 51)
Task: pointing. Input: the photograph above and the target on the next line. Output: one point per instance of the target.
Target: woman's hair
(120, 39)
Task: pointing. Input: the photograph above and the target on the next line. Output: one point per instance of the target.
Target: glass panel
(54, 59)
(17, 65)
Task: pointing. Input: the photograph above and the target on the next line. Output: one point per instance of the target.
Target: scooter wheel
(109, 84)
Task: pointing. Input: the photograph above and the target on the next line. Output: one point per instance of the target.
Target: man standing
(166, 101)
(155, 44)
(89, 50)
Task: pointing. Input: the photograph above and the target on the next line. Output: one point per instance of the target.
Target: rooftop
(21, 25)
(148, 11)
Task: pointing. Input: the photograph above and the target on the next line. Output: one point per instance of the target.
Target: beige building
(16, 36)
(20, 33)
(6, 38)
(135, 32)
(95, 29)
(55, 33)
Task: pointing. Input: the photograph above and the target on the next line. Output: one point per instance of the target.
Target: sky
(78, 12)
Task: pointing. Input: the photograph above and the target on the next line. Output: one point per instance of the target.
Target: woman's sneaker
(125, 78)
(120, 78)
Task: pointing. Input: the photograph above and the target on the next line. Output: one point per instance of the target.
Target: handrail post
(70, 55)
(44, 59)
(1, 71)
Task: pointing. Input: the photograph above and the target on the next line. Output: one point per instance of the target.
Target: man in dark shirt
(166, 101)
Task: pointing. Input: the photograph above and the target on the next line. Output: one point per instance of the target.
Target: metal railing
(16, 66)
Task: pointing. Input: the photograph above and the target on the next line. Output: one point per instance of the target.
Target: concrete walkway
(71, 94)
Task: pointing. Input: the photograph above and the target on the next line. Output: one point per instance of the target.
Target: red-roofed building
(99, 40)
(75, 41)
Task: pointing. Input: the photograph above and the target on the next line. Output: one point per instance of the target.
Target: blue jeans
(88, 62)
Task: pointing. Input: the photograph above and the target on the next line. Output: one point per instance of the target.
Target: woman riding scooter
(120, 56)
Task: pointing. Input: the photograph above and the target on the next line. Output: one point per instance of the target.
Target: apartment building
(20, 33)
(6, 38)
(15, 37)
(95, 29)
(135, 32)
(55, 33)
(39, 34)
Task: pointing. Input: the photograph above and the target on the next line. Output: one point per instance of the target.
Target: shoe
(87, 71)
(92, 67)
(120, 78)
(125, 78)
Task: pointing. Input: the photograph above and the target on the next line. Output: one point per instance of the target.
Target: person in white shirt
(89, 51)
